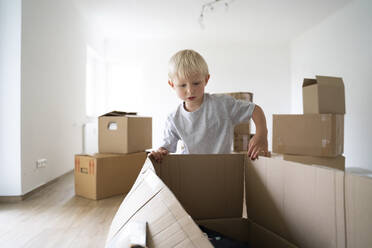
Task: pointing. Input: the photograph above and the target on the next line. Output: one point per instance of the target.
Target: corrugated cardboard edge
(148, 186)
(337, 162)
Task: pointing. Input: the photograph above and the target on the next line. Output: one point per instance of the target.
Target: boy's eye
(182, 85)
(196, 83)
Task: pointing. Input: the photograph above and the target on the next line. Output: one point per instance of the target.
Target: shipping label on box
(124, 133)
(323, 95)
(309, 134)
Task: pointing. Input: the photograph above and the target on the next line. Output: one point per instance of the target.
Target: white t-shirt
(209, 129)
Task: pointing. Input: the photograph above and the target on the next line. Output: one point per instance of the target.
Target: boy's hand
(257, 144)
(159, 154)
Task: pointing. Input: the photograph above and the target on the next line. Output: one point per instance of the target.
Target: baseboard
(18, 198)
(10, 199)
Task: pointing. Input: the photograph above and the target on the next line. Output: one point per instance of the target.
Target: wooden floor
(55, 217)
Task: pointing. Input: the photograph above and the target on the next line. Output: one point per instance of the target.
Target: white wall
(341, 46)
(10, 97)
(54, 44)
(234, 66)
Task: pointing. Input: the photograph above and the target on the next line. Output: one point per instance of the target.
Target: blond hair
(186, 64)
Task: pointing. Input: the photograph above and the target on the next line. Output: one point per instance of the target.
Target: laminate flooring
(55, 217)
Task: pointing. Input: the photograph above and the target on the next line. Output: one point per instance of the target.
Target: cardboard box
(358, 207)
(102, 175)
(241, 142)
(247, 96)
(121, 132)
(337, 162)
(288, 204)
(242, 128)
(323, 95)
(309, 134)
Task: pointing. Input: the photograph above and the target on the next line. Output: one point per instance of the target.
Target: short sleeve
(240, 110)
(170, 136)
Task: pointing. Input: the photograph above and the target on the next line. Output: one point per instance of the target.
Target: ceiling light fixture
(210, 6)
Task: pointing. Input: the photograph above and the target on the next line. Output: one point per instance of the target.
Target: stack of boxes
(242, 132)
(122, 140)
(317, 136)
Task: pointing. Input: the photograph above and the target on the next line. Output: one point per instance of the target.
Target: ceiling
(242, 20)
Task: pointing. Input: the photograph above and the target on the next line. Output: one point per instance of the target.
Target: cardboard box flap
(152, 202)
(308, 81)
(335, 82)
(303, 204)
(358, 187)
(119, 113)
(337, 162)
(208, 186)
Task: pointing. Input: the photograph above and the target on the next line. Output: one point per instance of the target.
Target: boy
(205, 123)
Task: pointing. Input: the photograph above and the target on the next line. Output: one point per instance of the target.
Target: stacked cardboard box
(122, 140)
(317, 136)
(242, 132)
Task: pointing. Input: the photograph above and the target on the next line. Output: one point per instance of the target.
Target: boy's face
(190, 90)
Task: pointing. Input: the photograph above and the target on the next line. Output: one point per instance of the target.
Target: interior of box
(302, 204)
(288, 204)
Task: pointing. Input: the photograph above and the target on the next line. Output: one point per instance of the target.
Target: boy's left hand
(257, 144)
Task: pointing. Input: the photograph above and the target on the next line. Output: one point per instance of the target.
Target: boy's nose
(189, 89)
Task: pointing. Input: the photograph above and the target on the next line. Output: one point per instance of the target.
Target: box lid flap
(119, 113)
(152, 202)
(330, 81)
(308, 81)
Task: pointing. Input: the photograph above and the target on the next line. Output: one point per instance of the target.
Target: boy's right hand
(159, 154)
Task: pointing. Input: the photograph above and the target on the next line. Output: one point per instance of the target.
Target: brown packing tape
(77, 162)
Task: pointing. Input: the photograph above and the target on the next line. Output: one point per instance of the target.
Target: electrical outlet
(40, 163)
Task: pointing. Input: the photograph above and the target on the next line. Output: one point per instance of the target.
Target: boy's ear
(207, 79)
(171, 84)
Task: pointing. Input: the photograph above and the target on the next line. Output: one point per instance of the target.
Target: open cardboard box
(323, 95)
(287, 204)
(124, 132)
